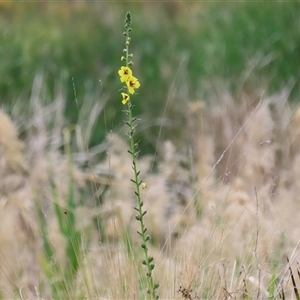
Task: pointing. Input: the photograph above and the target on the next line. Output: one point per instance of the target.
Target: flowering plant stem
(132, 84)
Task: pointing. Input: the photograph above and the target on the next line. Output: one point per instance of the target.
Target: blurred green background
(182, 51)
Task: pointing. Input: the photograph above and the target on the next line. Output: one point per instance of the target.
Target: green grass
(62, 277)
(188, 53)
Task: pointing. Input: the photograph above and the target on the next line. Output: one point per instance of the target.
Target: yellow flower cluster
(132, 83)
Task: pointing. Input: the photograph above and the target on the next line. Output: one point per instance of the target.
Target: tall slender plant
(131, 83)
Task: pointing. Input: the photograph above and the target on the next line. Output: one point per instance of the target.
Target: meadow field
(218, 125)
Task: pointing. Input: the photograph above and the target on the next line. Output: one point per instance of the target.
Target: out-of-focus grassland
(182, 51)
(220, 128)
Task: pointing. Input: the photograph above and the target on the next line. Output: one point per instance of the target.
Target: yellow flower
(125, 98)
(125, 73)
(132, 84)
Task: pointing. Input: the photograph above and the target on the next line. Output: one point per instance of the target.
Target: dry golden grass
(222, 207)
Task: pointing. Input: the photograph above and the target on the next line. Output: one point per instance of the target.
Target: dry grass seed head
(18, 231)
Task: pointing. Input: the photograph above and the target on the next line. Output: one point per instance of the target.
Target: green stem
(141, 213)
